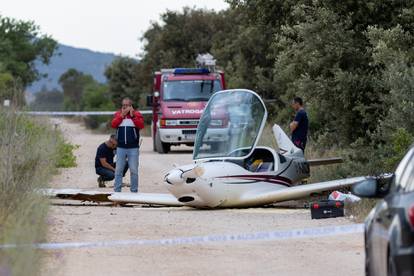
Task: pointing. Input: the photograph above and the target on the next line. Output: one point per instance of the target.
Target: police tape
(75, 113)
(315, 232)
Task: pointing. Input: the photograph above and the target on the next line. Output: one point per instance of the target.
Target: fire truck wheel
(160, 146)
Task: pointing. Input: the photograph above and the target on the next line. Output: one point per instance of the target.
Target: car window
(404, 171)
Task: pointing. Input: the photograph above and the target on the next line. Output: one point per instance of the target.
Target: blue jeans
(133, 161)
(107, 174)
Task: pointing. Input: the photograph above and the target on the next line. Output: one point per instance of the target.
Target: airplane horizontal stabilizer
(325, 161)
(283, 142)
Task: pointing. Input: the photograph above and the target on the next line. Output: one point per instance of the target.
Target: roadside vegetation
(30, 152)
(30, 149)
(359, 210)
(79, 92)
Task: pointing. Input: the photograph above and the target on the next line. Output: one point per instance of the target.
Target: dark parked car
(389, 228)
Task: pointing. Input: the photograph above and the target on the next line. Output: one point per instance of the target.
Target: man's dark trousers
(107, 174)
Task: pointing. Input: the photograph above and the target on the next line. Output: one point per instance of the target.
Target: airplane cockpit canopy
(230, 125)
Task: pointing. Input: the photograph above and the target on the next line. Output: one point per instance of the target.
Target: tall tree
(319, 50)
(48, 100)
(21, 44)
(73, 83)
(178, 39)
(122, 77)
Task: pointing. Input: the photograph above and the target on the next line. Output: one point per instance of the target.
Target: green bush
(65, 158)
(96, 98)
(400, 142)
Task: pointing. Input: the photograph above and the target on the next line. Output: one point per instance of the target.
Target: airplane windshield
(230, 125)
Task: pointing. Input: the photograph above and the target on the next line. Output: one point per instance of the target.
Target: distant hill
(84, 60)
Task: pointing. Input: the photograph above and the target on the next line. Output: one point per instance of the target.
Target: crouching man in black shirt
(104, 161)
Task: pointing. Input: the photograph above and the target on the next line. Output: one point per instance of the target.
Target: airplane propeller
(178, 176)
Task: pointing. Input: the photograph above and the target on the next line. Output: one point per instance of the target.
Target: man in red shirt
(128, 123)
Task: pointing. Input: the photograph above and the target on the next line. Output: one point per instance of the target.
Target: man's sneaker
(101, 182)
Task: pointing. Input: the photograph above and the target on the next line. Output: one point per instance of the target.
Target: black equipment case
(327, 209)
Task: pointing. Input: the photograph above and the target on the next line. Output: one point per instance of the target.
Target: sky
(99, 25)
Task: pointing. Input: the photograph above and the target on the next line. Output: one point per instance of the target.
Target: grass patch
(66, 158)
(29, 154)
(358, 211)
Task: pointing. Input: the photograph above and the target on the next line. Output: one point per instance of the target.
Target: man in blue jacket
(128, 123)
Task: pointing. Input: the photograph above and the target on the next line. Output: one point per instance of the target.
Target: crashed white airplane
(229, 169)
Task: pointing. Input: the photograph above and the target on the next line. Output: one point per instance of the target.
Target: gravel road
(86, 222)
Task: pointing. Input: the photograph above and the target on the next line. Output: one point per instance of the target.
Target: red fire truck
(178, 99)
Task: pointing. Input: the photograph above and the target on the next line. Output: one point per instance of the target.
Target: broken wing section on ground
(77, 194)
(253, 198)
(145, 198)
(102, 196)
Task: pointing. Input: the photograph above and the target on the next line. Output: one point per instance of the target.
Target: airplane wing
(76, 194)
(145, 198)
(101, 196)
(296, 192)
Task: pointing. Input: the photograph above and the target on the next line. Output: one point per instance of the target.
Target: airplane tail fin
(286, 146)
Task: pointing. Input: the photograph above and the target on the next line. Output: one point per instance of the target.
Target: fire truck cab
(178, 100)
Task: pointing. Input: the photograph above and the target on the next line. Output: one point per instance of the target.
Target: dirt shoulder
(84, 222)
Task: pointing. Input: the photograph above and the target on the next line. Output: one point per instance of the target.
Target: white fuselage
(222, 184)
